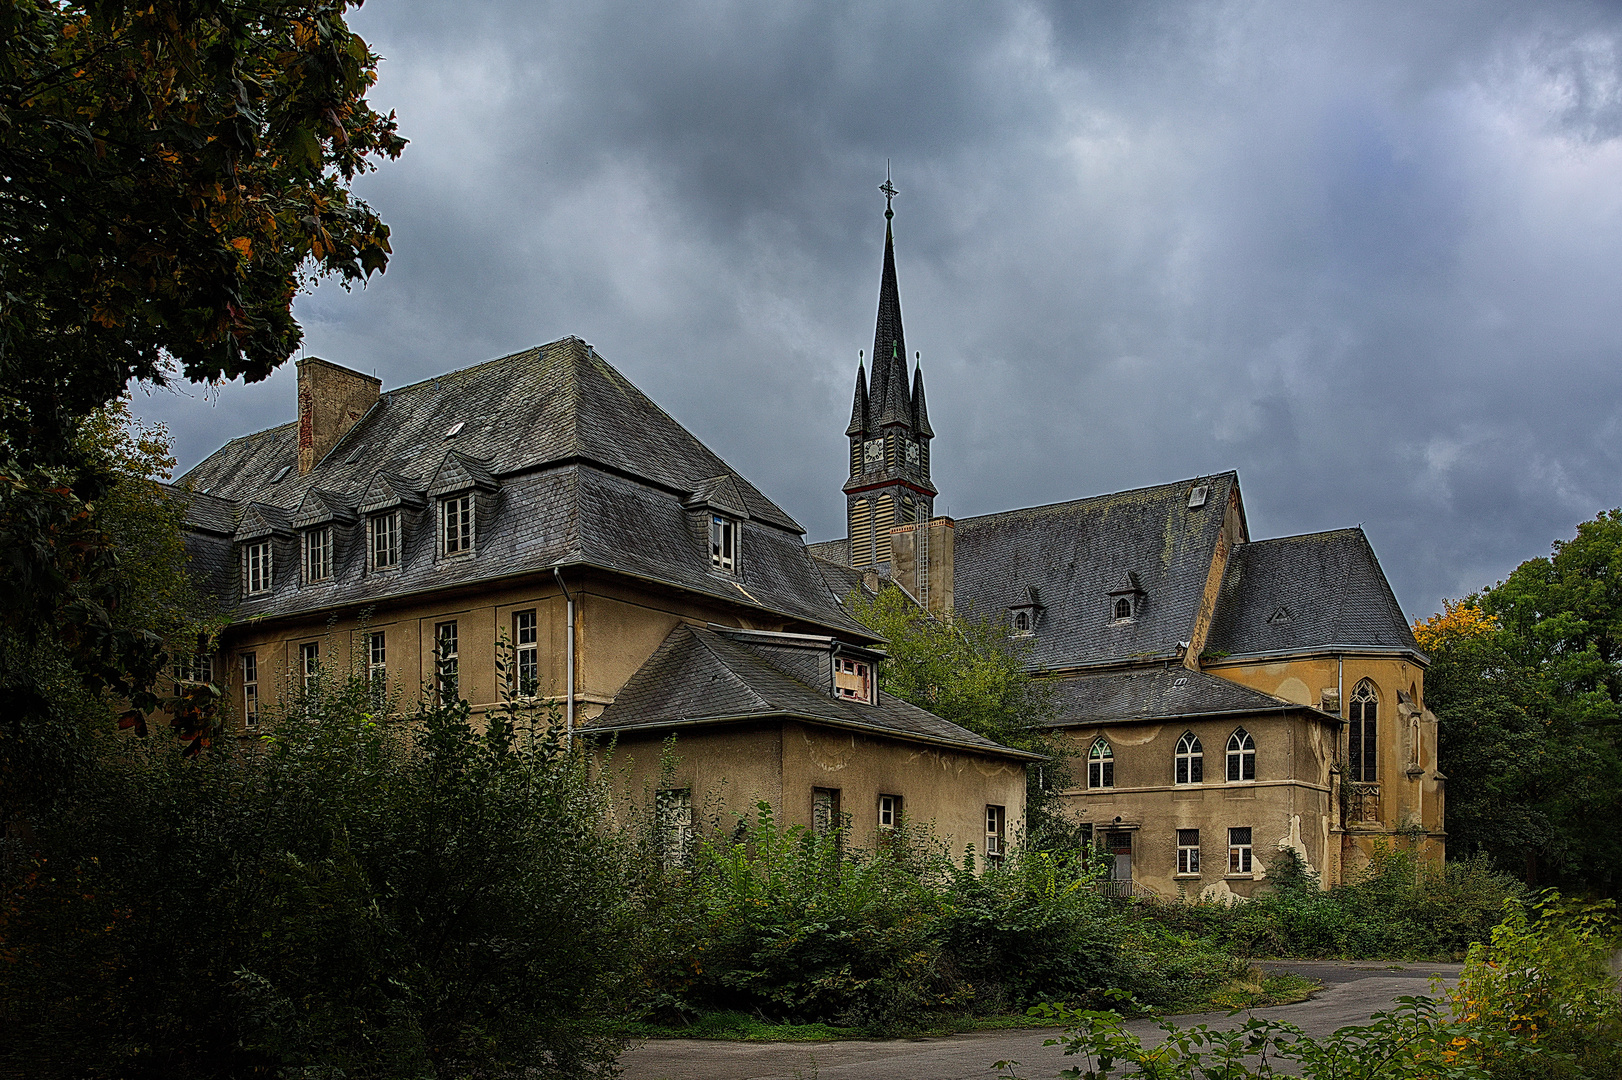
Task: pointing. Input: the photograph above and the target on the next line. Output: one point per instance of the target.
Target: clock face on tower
(912, 453)
(873, 453)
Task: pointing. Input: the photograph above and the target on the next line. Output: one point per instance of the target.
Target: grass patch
(740, 1027)
(1256, 989)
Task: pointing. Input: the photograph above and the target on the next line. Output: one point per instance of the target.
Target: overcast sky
(1370, 255)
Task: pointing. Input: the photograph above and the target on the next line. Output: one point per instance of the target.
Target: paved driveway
(1351, 993)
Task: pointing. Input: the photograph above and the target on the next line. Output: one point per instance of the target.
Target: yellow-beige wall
(730, 768)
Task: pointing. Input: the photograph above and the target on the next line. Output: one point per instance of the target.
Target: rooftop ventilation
(1196, 498)
(352, 458)
(283, 471)
(450, 432)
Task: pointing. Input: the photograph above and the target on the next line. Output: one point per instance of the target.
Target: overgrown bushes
(1397, 907)
(346, 902)
(792, 926)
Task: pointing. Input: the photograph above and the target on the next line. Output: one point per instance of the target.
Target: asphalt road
(1351, 993)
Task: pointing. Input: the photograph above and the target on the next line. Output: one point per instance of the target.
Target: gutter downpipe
(568, 708)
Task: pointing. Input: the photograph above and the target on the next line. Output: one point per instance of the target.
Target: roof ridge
(1103, 495)
(1352, 530)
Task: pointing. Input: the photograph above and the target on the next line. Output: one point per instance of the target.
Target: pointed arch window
(1361, 747)
(1190, 760)
(1241, 756)
(1100, 765)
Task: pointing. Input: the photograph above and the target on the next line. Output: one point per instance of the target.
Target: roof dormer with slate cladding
(568, 465)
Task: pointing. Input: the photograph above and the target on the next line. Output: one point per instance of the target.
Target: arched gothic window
(1123, 608)
(1100, 765)
(1361, 748)
(1190, 758)
(1022, 622)
(1241, 756)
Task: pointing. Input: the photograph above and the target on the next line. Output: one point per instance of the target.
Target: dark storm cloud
(1366, 254)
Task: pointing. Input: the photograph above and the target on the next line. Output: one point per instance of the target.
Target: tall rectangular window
(1188, 851)
(889, 811)
(996, 824)
(674, 808)
(317, 555)
(377, 661)
(824, 810)
(1238, 851)
(309, 663)
(256, 567)
(384, 546)
(526, 653)
(445, 662)
(723, 542)
(250, 690)
(456, 525)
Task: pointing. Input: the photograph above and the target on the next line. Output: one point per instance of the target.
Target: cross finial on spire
(889, 190)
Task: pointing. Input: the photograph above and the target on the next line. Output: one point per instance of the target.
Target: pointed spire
(920, 413)
(897, 402)
(889, 345)
(858, 408)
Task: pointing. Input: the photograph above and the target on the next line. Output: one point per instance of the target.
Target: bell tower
(889, 430)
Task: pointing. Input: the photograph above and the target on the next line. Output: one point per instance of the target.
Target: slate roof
(1317, 590)
(1161, 693)
(1075, 553)
(842, 579)
(705, 675)
(586, 470)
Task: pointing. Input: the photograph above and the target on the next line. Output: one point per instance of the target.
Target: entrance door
(1119, 844)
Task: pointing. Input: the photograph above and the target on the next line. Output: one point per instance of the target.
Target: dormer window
(1126, 598)
(256, 561)
(1024, 615)
(1022, 622)
(456, 525)
(723, 543)
(317, 555)
(853, 680)
(383, 540)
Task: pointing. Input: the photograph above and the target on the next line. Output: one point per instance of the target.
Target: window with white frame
(674, 809)
(317, 554)
(1239, 851)
(1100, 765)
(256, 567)
(996, 835)
(889, 812)
(723, 543)
(1189, 760)
(456, 525)
(526, 653)
(446, 662)
(1188, 851)
(853, 680)
(1241, 756)
(250, 690)
(377, 661)
(191, 669)
(1362, 749)
(383, 541)
(309, 664)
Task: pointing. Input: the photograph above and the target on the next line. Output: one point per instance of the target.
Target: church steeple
(889, 429)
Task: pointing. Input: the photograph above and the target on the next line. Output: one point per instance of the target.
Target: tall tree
(174, 171)
(966, 670)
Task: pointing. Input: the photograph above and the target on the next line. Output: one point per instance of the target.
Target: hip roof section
(1301, 593)
(1173, 693)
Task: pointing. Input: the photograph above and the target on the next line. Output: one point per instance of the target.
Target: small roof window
(280, 473)
(1197, 497)
(450, 432)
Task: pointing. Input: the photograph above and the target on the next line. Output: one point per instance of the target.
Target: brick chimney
(330, 400)
(929, 543)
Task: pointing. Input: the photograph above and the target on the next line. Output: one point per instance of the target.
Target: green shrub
(353, 898)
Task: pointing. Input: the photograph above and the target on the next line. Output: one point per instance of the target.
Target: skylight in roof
(279, 474)
(352, 458)
(1196, 498)
(454, 428)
